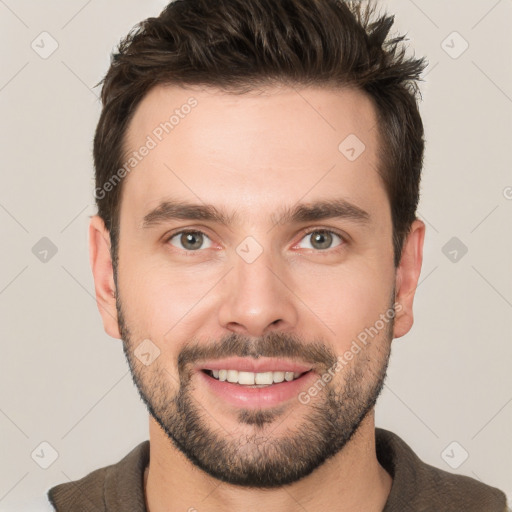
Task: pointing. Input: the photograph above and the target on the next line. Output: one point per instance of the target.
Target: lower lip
(255, 398)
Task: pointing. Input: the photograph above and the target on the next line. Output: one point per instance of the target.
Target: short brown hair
(239, 45)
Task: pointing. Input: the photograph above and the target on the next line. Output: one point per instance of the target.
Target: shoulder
(104, 486)
(421, 487)
(72, 495)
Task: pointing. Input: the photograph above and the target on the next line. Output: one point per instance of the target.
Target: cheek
(159, 299)
(346, 299)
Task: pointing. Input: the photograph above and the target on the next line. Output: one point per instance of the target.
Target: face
(255, 237)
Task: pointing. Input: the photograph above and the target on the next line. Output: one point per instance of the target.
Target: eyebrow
(305, 212)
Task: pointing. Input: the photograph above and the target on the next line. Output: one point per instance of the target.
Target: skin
(253, 154)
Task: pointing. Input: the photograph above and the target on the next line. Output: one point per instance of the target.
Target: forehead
(253, 150)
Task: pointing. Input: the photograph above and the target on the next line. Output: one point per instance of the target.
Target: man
(257, 249)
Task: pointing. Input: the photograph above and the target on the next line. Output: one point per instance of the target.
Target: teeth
(288, 376)
(278, 376)
(251, 379)
(246, 378)
(264, 378)
(233, 376)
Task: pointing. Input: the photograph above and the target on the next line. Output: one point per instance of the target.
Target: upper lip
(260, 365)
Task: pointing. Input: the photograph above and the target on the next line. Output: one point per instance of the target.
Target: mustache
(273, 344)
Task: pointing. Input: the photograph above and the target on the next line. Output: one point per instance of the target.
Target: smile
(255, 390)
(260, 379)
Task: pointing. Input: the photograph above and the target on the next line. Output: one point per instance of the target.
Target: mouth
(253, 379)
(255, 385)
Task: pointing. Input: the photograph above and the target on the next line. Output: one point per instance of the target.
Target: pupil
(191, 240)
(322, 239)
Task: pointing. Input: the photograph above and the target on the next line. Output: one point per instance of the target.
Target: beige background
(66, 383)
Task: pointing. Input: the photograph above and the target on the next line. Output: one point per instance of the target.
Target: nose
(258, 298)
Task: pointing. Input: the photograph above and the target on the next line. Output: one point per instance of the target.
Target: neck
(351, 481)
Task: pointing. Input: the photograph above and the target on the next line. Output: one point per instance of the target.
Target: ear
(407, 276)
(103, 272)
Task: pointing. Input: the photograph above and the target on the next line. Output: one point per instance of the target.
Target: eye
(190, 240)
(321, 239)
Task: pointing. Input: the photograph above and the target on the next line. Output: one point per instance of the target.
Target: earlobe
(407, 276)
(103, 273)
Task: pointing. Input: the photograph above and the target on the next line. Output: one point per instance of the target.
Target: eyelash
(343, 238)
